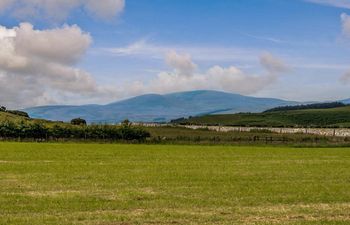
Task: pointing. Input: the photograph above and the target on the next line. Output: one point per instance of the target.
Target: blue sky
(291, 49)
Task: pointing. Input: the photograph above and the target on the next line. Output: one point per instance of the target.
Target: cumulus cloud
(59, 10)
(231, 79)
(182, 64)
(34, 64)
(272, 63)
(65, 45)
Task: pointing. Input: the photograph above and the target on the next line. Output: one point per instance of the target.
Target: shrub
(40, 131)
(78, 121)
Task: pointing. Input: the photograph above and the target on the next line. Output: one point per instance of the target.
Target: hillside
(159, 108)
(9, 117)
(336, 117)
(4, 116)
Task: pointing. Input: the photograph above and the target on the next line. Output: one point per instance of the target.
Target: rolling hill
(10, 117)
(335, 117)
(159, 108)
(5, 116)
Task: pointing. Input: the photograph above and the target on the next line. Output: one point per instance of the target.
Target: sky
(96, 52)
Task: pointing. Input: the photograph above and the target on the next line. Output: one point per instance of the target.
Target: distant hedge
(308, 106)
(40, 131)
(78, 121)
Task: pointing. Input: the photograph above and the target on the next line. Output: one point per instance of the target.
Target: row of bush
(327, 105)
(41, 131)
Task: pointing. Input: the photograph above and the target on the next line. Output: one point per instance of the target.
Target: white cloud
(105, 9)
(34, 64)
(144, 49)
(264, 38)
(334, 3)
(229, 79)
(59, 10)
(182, 64)
(272, 63)
(66, 44)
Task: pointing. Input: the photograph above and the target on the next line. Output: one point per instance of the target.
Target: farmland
(172, 184)
(334, 117)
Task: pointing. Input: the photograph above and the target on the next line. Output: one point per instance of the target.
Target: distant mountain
(159, 108)
(346, 101)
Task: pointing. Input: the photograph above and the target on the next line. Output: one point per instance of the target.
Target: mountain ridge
(346, 101)
(159, 108)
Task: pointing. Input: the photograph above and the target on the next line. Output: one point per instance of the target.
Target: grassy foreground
(146, 184)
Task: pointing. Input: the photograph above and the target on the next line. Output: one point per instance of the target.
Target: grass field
(160, 184)
(335, 117)
(180, 135)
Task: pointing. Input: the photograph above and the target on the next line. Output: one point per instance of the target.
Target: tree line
(45, 131)
(329, 105)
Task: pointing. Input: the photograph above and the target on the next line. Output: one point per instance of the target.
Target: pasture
(334, 117)
(172, 184)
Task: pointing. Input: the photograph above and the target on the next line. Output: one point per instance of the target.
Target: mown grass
(160, 184)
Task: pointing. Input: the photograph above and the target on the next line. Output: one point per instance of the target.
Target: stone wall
(338, 132)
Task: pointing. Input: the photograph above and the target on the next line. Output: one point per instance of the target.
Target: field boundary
(329, 132)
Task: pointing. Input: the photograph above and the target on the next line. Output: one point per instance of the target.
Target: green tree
(78, 121)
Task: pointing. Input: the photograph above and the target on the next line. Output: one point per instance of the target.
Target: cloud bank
(184, 76)
(59, 10)
(36, 65)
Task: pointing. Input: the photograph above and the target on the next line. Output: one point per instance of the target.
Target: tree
(38, 131)
(78, 121)
(126, 123)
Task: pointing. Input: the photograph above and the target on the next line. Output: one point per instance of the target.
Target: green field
(335, 117)
(160, 184)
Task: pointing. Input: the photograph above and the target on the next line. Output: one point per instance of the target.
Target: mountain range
(160, 108)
